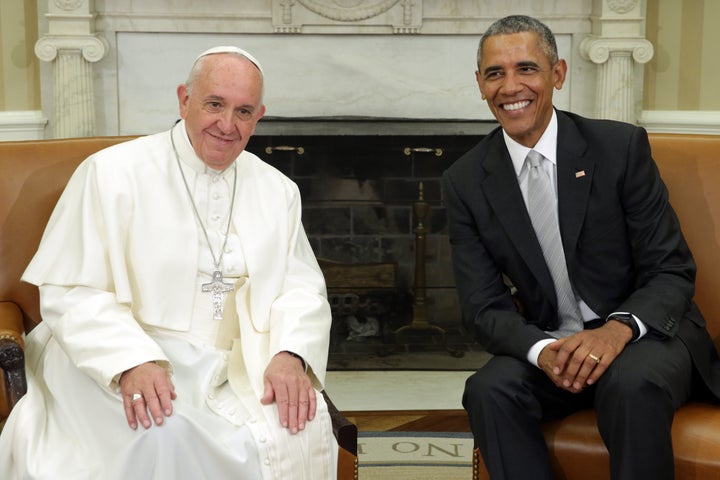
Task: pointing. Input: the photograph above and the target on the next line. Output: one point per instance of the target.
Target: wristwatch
(628, 320)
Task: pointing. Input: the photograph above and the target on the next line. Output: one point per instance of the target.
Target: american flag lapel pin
(579, 174)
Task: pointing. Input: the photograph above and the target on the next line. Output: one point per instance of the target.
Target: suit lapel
(575, 171)
(503, 193)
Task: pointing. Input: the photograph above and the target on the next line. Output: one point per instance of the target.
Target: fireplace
(350, 84)
(359, 183)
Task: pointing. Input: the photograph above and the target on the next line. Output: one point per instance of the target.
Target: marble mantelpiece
(383, 76)
(413, 60)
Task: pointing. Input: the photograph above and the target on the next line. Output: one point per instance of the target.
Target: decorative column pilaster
(617, 46)
(616, 58)
(72, 47)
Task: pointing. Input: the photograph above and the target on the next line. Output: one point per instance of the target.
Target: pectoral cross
(218, 288)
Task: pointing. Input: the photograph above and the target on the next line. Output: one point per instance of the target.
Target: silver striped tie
(542, 207)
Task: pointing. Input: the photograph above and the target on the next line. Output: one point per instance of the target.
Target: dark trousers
(635, 400)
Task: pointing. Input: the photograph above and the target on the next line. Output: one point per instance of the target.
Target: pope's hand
(147, 387)
(290, 387)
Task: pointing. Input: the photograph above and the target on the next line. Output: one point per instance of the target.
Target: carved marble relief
(348, 10)
(347, 16)
(622, 6)
(68, 5)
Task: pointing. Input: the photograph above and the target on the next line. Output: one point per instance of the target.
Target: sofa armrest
(11, 323)
(12, 356)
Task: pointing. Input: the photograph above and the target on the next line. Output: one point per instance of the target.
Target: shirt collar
(546, 145)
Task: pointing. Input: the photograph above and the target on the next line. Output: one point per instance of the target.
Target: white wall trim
(22, 125)
(681, 121)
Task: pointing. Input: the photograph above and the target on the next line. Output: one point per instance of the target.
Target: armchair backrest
(33, 174)
(690, 167)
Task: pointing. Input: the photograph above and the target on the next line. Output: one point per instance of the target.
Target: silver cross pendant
(218, 288)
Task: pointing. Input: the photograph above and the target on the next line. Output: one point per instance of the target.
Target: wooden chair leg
(346, 435)
(12, 358)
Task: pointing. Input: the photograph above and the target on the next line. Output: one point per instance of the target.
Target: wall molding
(22, 125)
(681, 121)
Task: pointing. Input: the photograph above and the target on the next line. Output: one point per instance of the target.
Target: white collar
(546, 145)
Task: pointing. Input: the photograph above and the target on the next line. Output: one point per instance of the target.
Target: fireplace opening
(360, 195)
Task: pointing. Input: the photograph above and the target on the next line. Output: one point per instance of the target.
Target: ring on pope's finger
(136, 396)
(594, 357)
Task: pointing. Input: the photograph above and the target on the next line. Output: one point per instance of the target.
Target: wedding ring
(594, 357)
(136, 396)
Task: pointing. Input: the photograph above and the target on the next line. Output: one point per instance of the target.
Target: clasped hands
(574, 362)
(286, 384)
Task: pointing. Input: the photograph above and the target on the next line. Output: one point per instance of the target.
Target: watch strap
(628, 320)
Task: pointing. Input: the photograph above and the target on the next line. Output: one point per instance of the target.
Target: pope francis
(186, 324)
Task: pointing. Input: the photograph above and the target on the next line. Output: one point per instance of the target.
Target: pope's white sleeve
(99, 335)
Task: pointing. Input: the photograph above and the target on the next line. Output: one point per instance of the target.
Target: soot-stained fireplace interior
(365, 191)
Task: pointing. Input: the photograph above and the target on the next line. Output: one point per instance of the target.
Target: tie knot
(534, 158)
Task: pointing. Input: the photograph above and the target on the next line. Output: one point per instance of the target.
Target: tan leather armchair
(690, 166)
(32, 176)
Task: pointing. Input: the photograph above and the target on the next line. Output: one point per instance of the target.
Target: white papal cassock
(120, 268)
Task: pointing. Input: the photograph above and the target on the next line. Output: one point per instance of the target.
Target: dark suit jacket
(622, 241)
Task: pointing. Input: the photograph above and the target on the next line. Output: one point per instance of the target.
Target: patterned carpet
(415, 456)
